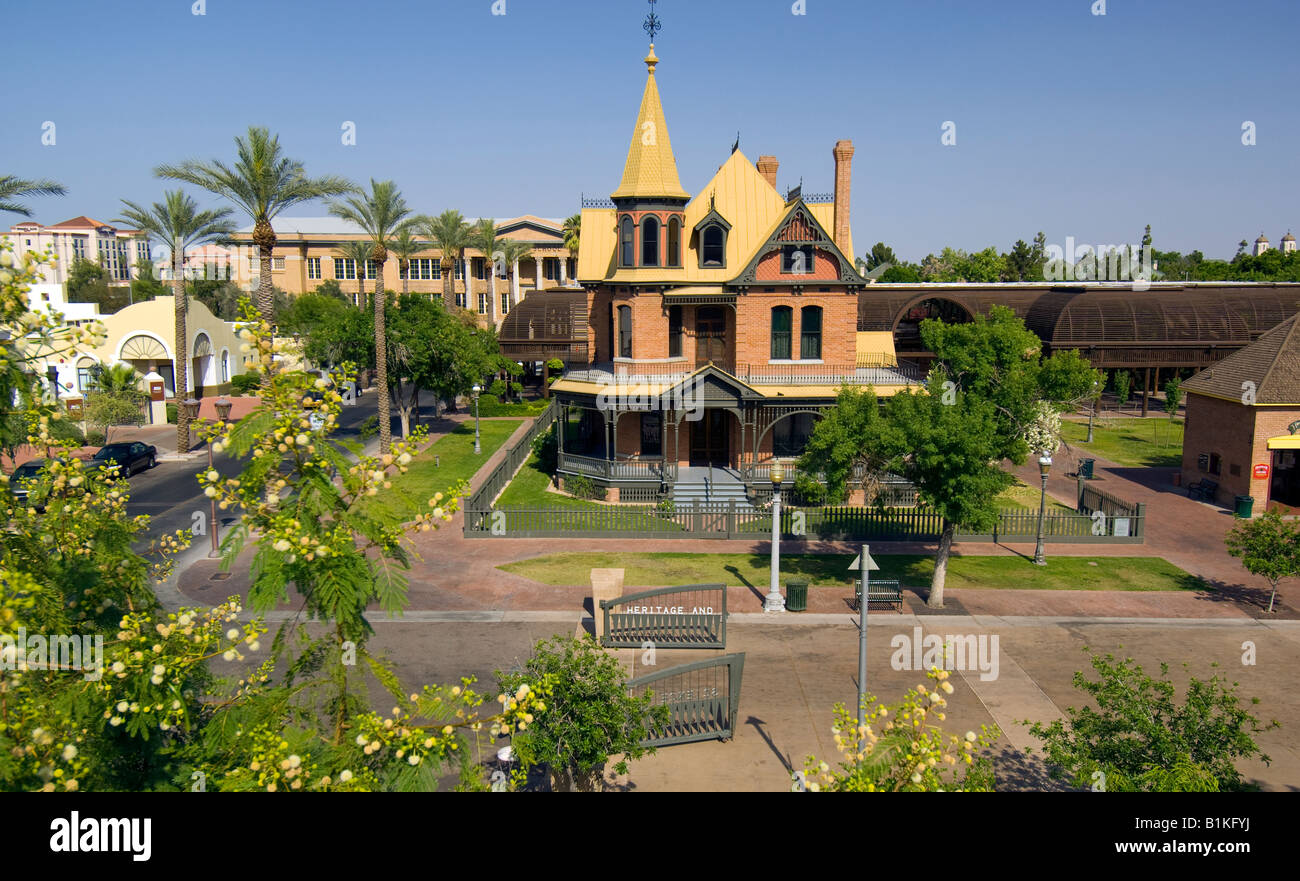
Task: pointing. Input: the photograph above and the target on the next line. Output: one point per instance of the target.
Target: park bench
(1205, 490)
(879, 593)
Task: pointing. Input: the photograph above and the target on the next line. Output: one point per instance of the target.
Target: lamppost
(1044, 465)
(475, 392)
(774, 602)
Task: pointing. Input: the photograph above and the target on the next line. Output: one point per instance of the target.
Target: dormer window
(713, 242)
(649, 241)
(712, 233)
(627, 243)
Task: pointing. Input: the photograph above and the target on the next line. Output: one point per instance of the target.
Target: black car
(124, 459)
(23, 475)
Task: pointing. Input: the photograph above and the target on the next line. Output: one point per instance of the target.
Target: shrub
(95, 438)
(1140, 732)
(172, 414)
(497, 389)
(583, 487)
(590, 714)
(246, 383)
(65, 430)
(546, 450)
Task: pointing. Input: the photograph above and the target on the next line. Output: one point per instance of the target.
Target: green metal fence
(516, 456)
(825, 524)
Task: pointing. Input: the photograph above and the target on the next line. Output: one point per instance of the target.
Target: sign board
(74, 409)
(1260, 472)
(1203, 462)
(1120, 526)
(157, 392)
(856, 565)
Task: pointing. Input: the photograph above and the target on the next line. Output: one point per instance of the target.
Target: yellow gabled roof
(651, 169)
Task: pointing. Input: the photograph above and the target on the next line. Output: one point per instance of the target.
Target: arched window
(782, 316)
(225, 365)
(712, 242)
(649, 241)
(810, 333)
(625, 331)
(674, 331)
(627, 250)
(674, 242)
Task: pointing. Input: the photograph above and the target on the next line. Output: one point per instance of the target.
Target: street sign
(857, 563)
(1260, 472)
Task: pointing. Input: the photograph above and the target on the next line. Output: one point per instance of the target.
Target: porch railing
(870, 370)
(615, 469)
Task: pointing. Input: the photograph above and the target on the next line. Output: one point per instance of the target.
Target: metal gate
(692, 616)
(703, 699)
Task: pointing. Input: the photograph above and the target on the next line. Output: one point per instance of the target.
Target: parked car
(23, 475)
(125, 458)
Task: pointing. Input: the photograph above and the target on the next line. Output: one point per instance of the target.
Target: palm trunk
(406, 276)
(448, 285)
(381, 363)
(935, 600)
(179, 367)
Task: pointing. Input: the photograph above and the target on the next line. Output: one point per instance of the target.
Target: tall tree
(382, 214)
(14, 188)
(483, 236)
(879, 255)
(262, 183)
(178, 224)
(450, 232)
(1020, 261)
(573, 233)
(405, 246)
(359, 253)
(513, 251)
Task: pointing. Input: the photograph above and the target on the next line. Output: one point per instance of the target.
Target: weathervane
(652, 24)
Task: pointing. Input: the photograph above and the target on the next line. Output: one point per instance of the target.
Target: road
(170, 493)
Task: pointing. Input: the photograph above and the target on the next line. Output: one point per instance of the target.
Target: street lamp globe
(191, 408)
(1044, 464)
(778, 473)
(223, 408)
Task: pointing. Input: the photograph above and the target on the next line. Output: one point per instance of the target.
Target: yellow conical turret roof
(651, 170)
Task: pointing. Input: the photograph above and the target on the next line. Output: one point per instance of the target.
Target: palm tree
(483, 236)
(12, 188)
(359, 253)
(404, 247)
(178, 223)
(115, 379)
(513, 251)
(382, 215)
(451, 233)
(262, 183)
(572, 233)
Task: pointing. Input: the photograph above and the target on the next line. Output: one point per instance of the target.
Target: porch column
(611, 430)
(469, 287)
(514, 284)
(538, 262)
(564, 272)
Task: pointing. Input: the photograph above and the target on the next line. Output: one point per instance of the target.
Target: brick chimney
(767, 166)
(843, 153)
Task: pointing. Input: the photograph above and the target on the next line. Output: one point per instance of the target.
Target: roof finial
(652, 24)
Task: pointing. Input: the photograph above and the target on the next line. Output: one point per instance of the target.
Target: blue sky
(1067, 122)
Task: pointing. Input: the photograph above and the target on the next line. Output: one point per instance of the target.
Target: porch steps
(724, 489)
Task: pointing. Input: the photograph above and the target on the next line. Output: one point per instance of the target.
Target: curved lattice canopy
(202, 346)
(545, 325)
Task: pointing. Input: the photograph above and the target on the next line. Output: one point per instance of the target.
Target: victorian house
(719, 324)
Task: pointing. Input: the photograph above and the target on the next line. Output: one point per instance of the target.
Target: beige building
(308, 252)
(117, 250)
(144, 336)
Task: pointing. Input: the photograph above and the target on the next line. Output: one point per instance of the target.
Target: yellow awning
(1284, 442)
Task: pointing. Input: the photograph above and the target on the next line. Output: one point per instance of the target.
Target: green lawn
(455, 454)
(1136, 442)
(1060, 573)
(1021, 496)
(529, 488)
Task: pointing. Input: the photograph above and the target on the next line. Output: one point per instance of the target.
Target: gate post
(606, 584)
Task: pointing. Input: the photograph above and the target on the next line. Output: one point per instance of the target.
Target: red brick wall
(1239, 434)
(839, 325)
(825, 268)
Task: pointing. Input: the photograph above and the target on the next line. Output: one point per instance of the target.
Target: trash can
(1085, 468)
(1245, 504)
(796, 596)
